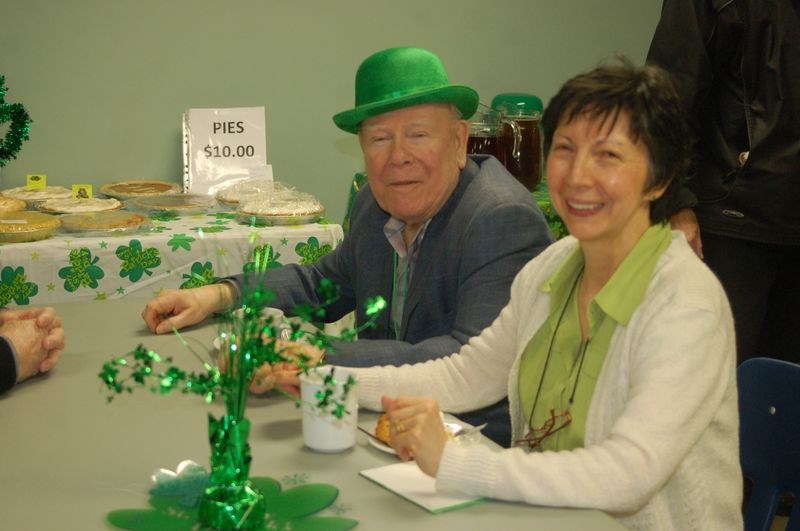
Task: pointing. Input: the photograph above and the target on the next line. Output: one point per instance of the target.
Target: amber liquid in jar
(528, 167)
(487, 145)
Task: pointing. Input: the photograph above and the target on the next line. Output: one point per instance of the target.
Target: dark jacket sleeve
(8, 366)
(681, 45)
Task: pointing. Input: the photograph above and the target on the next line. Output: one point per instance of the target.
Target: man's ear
(462, 135)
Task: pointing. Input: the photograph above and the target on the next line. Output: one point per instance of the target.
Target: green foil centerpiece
(231, 500)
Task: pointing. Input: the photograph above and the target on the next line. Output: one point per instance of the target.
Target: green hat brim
(464, 98)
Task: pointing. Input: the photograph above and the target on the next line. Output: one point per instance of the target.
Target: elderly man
(31, 341)
(437, 233)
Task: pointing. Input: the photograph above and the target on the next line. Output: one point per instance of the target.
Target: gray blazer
(472, 250)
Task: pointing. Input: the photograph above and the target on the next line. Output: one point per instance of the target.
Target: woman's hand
(417, 430)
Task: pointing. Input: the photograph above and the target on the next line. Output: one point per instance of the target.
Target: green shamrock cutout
(310, 251)
(17, 131)
(292, 508)
(82, 270)
(13, 286)
(180, 240)
(137, 261)
(264, 257)
(201, 275)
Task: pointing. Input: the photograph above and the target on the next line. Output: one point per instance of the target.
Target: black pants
(762, 282)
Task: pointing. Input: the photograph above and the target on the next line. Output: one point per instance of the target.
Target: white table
(68, 458)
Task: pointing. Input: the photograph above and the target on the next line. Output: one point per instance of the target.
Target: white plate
(452, 427)
(380, 446)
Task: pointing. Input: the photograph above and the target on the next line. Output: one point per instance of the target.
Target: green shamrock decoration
(166, 215)
(210, 228)
(201, 275)
(292, 508)
(310, 251)
(13, 286)
(137, 261)
(187, 484)
(158, 229)
(180, 240)
(264, 257)
(82, 271)
(222, 215)
(233, 500)
(17, 131)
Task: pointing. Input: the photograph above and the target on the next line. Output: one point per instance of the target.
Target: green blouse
(559, 338)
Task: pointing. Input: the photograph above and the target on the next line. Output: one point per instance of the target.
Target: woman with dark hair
(616, 348)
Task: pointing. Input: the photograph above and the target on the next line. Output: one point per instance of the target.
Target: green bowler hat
(401, 77)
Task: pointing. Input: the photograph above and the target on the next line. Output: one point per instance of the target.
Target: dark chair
(769, 410)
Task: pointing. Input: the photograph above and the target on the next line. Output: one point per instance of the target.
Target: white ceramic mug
(322, 431)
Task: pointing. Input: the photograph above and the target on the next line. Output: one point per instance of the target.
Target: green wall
(106, 81)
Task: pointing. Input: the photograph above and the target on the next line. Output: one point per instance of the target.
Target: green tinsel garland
(18, 131)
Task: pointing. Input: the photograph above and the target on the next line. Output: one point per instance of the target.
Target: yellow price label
(36, 181)
(82, 191)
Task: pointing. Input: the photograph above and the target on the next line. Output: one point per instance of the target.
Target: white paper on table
(222, 145)
(407, 480)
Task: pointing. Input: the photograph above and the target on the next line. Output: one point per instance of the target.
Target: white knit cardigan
(662, 436)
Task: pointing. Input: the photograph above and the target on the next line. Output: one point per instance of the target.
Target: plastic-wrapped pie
(20, 227)
(296, 209)
(35, 197)
(111, 222)
(241, 191)
(10, 204)
(138, 188)
(190, 203)
(71, 205)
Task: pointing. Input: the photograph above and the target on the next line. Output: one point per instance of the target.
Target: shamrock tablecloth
(178, 252)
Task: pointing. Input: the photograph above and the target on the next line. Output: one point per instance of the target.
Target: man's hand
(27, 326)
(285, 375)
(417, 430)
(179, 308)
(685, 220)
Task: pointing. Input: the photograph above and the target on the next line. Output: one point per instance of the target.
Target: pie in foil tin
(27, 226)
(111, 222)
(138, 188)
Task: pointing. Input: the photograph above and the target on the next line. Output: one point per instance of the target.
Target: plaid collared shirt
(405, 259)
